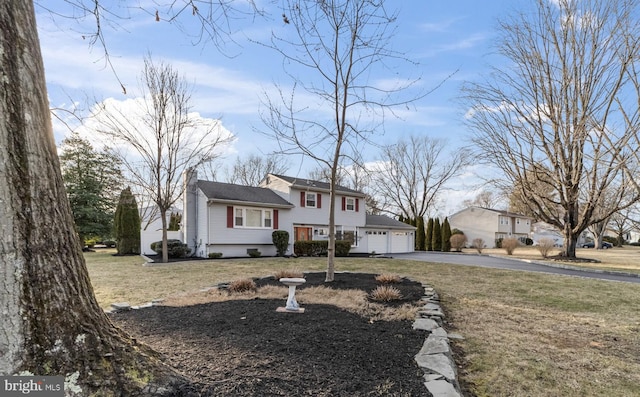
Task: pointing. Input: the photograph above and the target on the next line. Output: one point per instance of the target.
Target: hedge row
(320, 247)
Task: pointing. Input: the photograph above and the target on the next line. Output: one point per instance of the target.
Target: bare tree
(565, 111)
(164, 140)
(410, 175)
(336, 45)
(51, 321)
(252, 169)
(484, 199)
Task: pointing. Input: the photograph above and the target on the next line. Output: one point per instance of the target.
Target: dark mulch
(246, 348)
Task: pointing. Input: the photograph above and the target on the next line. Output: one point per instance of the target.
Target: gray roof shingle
(383, 221)
(309, 183)
(220, 191)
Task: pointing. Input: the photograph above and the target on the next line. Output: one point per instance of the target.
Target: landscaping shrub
(387, 278)
(280, 239)
(458, 241)
(478, 244)
(429, 235)
(446, 236)
(254, 253)
(436, 238)
(528, 241)
(499, 242)
(109, 243)
(244, 285)
(126, 224)
(175, 248)
(385, 293)
(215, 255)
(544, 246)
(510, 245)
(456, 231)
(320, 247)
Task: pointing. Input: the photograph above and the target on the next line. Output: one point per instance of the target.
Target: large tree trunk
(51, 322)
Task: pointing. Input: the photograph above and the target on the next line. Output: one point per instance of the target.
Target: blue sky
(441, 36)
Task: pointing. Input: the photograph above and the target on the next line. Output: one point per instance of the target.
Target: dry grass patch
(290, 273)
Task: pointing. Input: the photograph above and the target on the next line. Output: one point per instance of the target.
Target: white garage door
(400, 242)
(377, 241)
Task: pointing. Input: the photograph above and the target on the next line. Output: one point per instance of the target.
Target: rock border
(435, 357)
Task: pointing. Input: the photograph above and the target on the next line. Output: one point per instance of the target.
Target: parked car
(605, 245)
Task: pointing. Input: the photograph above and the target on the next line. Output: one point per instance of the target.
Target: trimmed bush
(458, 241)
(280, 239)
(126, 224)
(446, 236)
(254, 253)
(215, 255)
(478, 244)
(175, 248)
(545, 245)
(510, 245)
(499, 242)
(320, 247)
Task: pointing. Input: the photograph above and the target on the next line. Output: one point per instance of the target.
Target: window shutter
(319, 203)
(344, 203)
(303, 198)
(357, 205)
(275, 219)
(230, 216)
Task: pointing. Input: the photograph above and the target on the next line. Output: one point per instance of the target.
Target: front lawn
(526, 334)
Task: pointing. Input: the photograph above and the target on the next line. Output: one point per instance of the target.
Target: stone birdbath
(292, 304)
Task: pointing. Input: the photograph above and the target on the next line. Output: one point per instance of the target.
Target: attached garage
(384, 235)
(378, 241)
(402, 241)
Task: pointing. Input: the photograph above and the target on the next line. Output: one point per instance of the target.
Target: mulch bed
(246, 348)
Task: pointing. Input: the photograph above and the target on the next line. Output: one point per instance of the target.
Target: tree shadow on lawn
(246, 348)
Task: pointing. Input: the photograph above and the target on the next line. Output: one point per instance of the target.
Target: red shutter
(303, 198)
(357, 205)
(319, 203)
(275, 219)
(229, 216)
(344, 203)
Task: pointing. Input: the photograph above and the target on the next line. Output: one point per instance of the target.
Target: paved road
(511, 264)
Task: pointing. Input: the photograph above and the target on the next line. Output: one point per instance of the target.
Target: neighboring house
(151, 229)
(490, 225)
(234, 219)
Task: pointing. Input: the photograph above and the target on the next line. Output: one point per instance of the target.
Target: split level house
(490, 225)
(235, 219)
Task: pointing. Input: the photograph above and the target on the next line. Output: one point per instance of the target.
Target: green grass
(526, 334)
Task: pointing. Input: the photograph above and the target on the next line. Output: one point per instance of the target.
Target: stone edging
(435, 358)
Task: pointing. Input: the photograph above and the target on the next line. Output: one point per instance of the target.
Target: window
(239, 217)
(267, 219)
(311, 200)
(351, 235)
(350, 204)
(253, 218)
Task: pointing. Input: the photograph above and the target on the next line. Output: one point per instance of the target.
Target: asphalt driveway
(513, 264)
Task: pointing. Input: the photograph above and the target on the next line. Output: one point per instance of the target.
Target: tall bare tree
(250, 171)
(411, 174)
(164, 140)
(565, 110)
(51, 321)
(336, 45)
